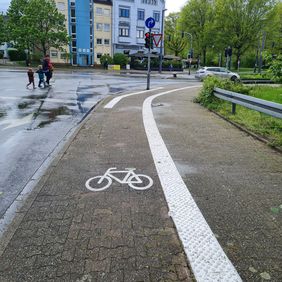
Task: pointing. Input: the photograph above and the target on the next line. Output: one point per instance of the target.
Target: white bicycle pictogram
(135, 181)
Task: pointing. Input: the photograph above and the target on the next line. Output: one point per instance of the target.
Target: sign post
(150, 23)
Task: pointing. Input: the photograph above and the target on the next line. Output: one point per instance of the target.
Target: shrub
(106, 57)
(16, 55)
(206, 96)
(275, 67)
(120, 59)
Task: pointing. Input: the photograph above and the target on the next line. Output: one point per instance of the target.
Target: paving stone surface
(120, 234)
(235, 180)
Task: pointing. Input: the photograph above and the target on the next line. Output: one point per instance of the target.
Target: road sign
(150, 22)
(157, 38)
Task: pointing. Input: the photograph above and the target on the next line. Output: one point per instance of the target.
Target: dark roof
(105, 2)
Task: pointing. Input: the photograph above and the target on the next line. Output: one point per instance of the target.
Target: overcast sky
(171, 5)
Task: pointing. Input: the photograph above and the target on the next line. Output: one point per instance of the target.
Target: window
(54, 54)
(73, 29)
(72, 13)
(63, 55)
(124, 31)
(107, 41)
(99, 41)
(99, 55)
(150, 2)
(106, 27)
(156, 16)
(99, 26)
(107, 12)
(99, 11)
(74, 43)
(140, 33)
(141, 15)
(124, 12)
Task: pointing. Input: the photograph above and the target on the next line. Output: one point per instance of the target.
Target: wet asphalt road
(34, 121)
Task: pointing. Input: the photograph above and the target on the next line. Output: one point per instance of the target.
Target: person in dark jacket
(45, 66)
(40, 76)
(30, 75)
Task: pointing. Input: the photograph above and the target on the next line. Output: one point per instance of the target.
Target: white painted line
(208, 260)
(113, 102)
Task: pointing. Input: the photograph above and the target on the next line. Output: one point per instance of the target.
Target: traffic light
(147, 40)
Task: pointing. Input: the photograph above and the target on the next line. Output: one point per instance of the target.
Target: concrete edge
(242, 128)
(15, 218)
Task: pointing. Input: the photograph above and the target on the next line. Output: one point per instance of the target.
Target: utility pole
(149, 62)
(162, 42)
(261, 50)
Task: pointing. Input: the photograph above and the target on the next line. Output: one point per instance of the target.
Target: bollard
(175, 74)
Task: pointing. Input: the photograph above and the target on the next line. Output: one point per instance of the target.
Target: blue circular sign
(150, 22)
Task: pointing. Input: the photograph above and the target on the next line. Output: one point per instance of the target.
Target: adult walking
(47, 68)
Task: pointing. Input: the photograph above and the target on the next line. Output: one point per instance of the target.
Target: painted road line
(113, 102)
(207, 258)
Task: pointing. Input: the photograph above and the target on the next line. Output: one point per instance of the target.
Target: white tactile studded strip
(208, 260)
(113, 102)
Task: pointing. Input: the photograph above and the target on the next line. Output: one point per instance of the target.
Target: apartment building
(61, 56)
(102, 29)
(98, 27)
(129, 18)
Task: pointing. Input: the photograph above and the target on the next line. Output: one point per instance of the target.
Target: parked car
(217, 71)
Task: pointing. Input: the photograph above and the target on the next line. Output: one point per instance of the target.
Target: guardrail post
(233, 108)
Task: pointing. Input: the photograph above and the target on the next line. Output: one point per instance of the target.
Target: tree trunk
(204, 56)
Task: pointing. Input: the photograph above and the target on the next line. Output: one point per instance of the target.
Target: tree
(37, 24)
(197, 18)
(239, 23)
(2, 30)
(173, 41)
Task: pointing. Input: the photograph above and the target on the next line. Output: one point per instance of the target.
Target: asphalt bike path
(88, 223)
(122, 232)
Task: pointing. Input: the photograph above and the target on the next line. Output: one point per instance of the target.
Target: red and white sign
(157, 39)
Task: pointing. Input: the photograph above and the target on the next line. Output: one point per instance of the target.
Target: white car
(217, 71)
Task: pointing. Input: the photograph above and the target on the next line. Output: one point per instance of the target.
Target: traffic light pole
(149, 64)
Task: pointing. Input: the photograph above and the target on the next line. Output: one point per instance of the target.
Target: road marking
(113, 102)
(17, 121)
(128, 177)
(207, 258)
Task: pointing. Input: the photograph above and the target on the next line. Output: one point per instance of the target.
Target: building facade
(102, 29)
(98, 27)
(129, 18)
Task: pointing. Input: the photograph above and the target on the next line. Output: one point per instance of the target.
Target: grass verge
(261, 124)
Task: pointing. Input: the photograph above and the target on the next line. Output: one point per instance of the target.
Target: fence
(263, 106)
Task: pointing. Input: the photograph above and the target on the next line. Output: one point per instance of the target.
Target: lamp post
(191, 48)
(162, 42)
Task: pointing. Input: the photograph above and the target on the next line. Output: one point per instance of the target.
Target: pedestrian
(51, 69)
(106, 64)
(30, 75)
(40, 76)
(46, 68)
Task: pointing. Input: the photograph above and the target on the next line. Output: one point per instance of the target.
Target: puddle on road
(52, 114)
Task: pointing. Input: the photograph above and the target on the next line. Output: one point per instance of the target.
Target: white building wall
(131, 42)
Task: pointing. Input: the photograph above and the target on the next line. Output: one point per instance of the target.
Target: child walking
(30, 75)
(40, 76)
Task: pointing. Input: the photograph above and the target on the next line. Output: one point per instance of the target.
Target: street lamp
(162, 41)
(191, 48)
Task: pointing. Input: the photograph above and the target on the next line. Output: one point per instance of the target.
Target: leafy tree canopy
(37, 24)
(2, 30)
(173, 40)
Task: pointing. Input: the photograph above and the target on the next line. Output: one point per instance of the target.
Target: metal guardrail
(260, 105)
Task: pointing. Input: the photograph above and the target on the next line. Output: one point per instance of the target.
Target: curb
(258, 137)
(18, 209)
